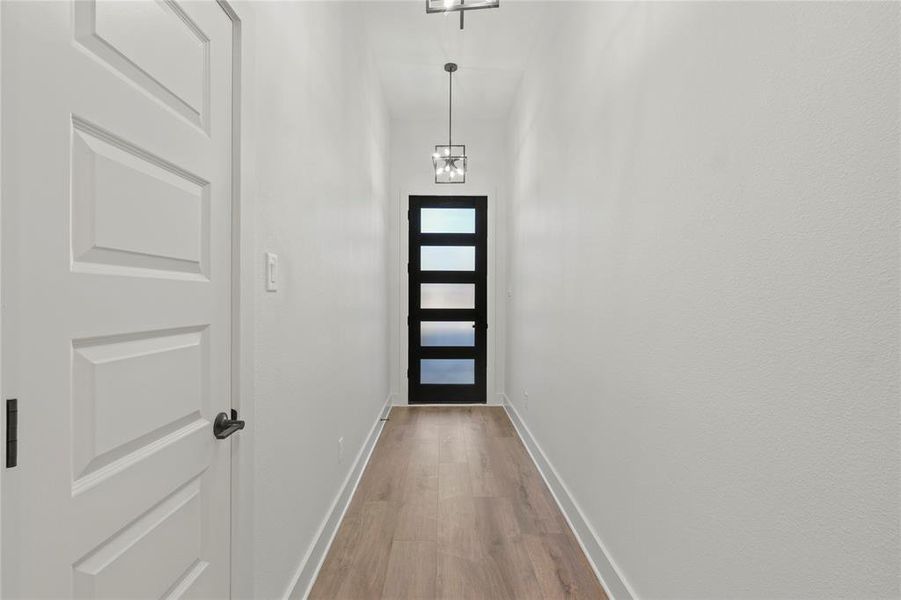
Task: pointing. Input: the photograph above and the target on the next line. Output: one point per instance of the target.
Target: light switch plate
(271, 272)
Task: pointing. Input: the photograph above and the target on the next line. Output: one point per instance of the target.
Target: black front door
(448, 322)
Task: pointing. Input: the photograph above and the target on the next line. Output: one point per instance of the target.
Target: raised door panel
(158, 555)
(156, 45)
(130, 394)
(135, 213)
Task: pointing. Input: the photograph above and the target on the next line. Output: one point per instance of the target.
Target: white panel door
(116, 216)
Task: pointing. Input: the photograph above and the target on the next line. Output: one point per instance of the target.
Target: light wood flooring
(451, 506)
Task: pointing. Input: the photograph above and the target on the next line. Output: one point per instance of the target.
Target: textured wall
(321, 366)
(704, 251)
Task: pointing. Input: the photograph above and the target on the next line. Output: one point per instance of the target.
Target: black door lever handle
(224, 427)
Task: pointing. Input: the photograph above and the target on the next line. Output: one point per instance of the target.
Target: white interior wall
(704, 260)
(412, 144)
(321, 372)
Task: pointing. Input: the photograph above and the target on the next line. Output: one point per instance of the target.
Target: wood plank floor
(451, 506)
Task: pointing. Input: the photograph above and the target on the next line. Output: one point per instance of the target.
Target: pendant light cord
(450, 110)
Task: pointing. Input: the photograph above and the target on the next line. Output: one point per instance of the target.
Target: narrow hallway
(457, 299)
(451, 506)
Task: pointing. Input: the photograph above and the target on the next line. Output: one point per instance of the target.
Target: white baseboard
(609, 575)
(303, 579)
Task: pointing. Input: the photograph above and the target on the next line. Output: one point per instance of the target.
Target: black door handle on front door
(224, 427)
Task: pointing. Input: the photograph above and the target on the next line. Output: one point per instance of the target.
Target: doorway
(448, 293)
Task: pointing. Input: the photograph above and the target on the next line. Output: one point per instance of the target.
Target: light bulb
(448, 3)
(438, 172)
(436, 155)
(459, 171)
(447, 168)
(447, 152)
(452, 174)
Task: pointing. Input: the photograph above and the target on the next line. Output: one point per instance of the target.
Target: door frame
(2, 412)
(445, 394)
(243, 276)
(401, 310)
(244, 267)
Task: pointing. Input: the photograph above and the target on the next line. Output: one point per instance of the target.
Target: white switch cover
(271, 272)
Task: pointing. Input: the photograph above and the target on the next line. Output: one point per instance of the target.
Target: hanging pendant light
(449, 161)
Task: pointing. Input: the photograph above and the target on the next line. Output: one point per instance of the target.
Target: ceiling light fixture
(461, 6)
(449, 162)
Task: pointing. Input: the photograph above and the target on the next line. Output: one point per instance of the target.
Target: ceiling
(410, 48)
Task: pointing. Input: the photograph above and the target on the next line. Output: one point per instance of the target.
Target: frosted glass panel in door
(447, 333)
(448, 220)
(447, 258)
(447, 371)
(447, 295)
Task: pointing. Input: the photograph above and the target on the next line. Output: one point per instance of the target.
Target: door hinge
(12, 433)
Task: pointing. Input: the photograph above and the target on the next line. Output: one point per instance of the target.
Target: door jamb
(2, 412)
(243, 270)
(402, 349)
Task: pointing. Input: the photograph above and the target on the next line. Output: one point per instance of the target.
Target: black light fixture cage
(449, 162)
(440, 6)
